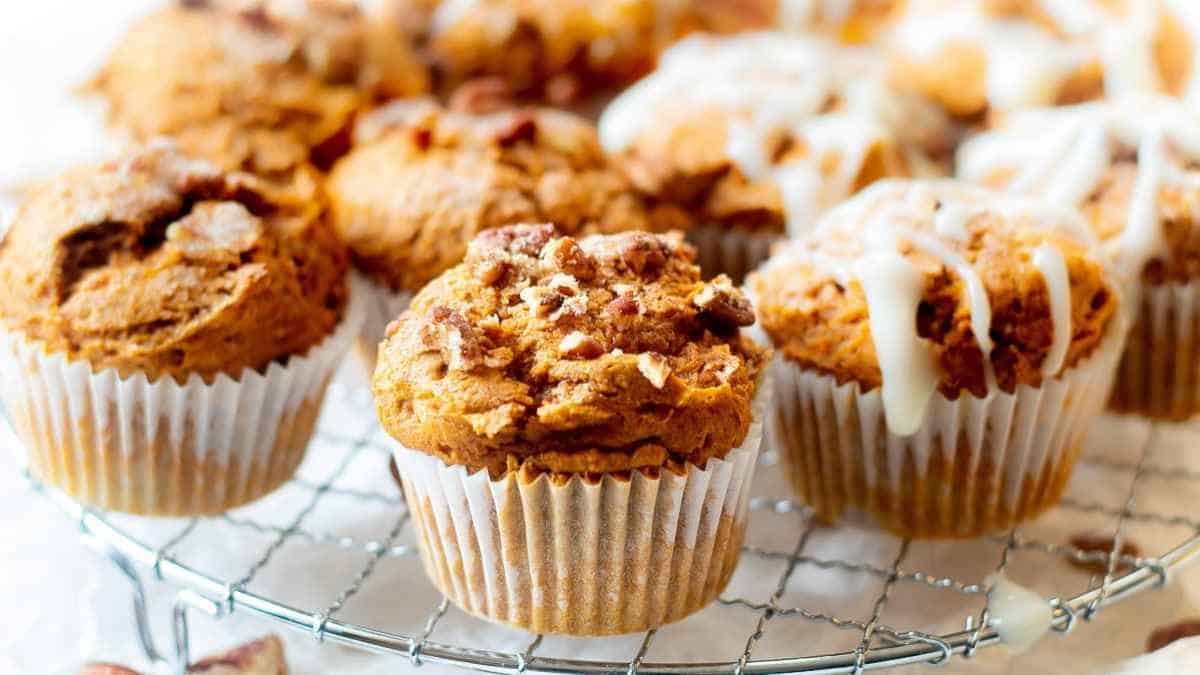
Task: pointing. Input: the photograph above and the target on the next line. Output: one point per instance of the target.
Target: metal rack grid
(879, 645)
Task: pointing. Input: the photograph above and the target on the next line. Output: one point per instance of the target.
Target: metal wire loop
(320, 619)
(1157, 569)
(414, 653)
(1067, 611)
(925, 638)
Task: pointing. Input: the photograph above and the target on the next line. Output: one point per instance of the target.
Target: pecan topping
(520, 127)
(655, 368)
(720, 302)
(1165, 635)
(580, 346)
(449, 332)
(566, 255)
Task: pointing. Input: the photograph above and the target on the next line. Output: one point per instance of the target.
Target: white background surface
(62, 607)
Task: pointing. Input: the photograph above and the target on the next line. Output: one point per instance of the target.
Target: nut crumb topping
(598, 346)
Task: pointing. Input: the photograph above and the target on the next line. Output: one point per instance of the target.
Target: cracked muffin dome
(550, 354)
(257, 85)
(423, 180)
(159, 264)
(783, 128)
(917, 286)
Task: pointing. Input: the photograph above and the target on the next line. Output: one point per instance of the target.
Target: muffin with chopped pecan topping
(424, 179)
(568, 388)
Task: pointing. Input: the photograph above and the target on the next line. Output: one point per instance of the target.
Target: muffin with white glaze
(980, 57)
(1133, 167)
(782, 128)
(940, 350)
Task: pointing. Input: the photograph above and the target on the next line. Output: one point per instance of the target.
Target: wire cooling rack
(777, 616)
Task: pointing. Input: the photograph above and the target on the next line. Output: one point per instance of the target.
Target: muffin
(265, 86)
(423, 180)
(849, 21)
(1133, 167)
(578, 422)
(986, 56)
(167, 332)
(940, 351)
(783, 128)
(560, 51)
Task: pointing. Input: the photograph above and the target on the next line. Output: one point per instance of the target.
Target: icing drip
(893, 288)
(1027, 63)
(1050, 263)
(772, 85)
(1063, 153)
(1020, 616)
(862, 239)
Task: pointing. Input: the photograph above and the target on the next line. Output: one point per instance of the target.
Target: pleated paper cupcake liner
(728, 250)
(164, 448)
(974, 466)
(1159, 373)
(382, 306)
(619, 555)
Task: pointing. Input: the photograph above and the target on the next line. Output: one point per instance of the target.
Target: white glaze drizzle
(1020, 616)
(1062, 154)
(1027, 64)
(766, 84)
(1050, 263)
(934, 217)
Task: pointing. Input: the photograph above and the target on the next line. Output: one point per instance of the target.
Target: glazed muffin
(561, 51)
(167, 332)
(422, 181)
(988, 56)
(1133, 167)
(940, 351)
(265, 86)
(569, 410)
(783, 128)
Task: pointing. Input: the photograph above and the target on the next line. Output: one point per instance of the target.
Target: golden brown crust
(544, 353)
(1107, 209)
(823, 325)
(251, 84)
(164, 265)
(424, 181)
(561, 51)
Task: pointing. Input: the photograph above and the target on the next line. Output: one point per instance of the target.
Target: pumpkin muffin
(584, 407)
(168, 331)
(1133, 167)
(991, 56)
(561, 51)
(783, 128)
(941, 350)
(265, 86)
(423, 180)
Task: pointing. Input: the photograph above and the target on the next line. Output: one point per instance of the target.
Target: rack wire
(876, 644)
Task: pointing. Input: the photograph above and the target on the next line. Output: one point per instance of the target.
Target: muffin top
(163, 265)
(423, 180)
(562, 50)
(1131, 165)
(782, 128)
(917, 286)
(978, 56)
(549, 354)
(254, 85)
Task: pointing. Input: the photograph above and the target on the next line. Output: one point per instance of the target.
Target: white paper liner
(975, 465)
(728, 250)
(382, 306)
(1159, 373)
(621, 555)
(162, 448)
